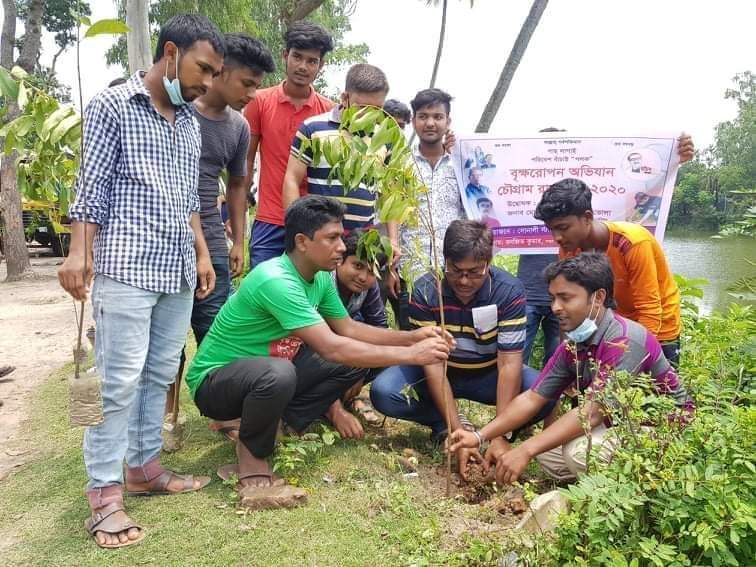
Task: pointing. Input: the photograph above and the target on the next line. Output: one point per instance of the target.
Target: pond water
(720, 261)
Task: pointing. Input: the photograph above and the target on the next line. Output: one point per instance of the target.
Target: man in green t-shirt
(284, 348)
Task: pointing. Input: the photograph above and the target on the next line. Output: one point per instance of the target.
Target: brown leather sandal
(227, 471)
(158, 486)
(102, 521)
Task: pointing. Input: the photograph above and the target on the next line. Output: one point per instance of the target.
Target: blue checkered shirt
(140, 174)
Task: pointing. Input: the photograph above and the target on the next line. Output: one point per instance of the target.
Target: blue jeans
(387, 397)
(541, 316)
(138, 342)
(266, 242)
(205, 310)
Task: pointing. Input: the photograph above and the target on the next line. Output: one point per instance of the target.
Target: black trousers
(263, 390)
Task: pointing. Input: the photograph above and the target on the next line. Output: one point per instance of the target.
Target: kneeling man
(484, 309)
(284, 347)
(598, 342)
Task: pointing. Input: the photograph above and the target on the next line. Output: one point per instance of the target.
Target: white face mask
(584, 330)
(173, 88)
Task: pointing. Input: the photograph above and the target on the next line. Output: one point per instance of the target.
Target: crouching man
(598, 342)
(484, 309)
(284, 348)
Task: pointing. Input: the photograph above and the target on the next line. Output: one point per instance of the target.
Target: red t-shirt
(274, 119)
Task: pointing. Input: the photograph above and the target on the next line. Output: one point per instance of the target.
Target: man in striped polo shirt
(366, 85)
(599, 343)
(484, 309)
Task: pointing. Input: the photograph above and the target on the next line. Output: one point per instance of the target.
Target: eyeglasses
(453, 273)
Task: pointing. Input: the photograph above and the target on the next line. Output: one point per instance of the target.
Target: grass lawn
(362, 509)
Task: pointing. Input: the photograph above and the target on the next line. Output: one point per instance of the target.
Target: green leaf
(18, 73)
(84, 20)
(64, 126)
(53, 120)
(106, 27)
(23, 97)
(8, 87)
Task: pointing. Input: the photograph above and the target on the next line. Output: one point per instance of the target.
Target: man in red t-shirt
(274, 117)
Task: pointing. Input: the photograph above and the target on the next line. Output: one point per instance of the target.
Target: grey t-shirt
(224, 146)
(530, 273)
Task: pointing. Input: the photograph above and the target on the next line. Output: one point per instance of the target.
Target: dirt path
(37, 331)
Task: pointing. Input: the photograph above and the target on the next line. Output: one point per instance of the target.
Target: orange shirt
(644, 288)
(274, 119)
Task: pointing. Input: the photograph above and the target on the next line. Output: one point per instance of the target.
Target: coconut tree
(513, 61)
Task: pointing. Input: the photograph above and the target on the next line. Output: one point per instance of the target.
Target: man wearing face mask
(598, 342)
(137, 210)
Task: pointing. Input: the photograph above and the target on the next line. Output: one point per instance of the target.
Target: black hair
(564, 198)
(187, 29)
(466, 238)
(306, 35)
(484, 200)
(397, 109)
(590, 270)
(308, 215)
(243, 50)
(631, 154)
(366, 78)
(479, 170)
(116, 82)
(430, 97)
(351, 241)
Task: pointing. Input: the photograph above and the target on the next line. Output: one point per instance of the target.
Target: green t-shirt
(273, 301)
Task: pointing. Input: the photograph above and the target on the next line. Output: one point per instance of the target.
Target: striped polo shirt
(360, 202)
(493, 322)
(617, 344)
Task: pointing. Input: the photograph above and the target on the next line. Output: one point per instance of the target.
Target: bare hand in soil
(496, 448)
(348, 426)
(467, 456)
(511, 465)
(463, 439)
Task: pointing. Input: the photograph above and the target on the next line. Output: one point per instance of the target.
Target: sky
(594, 67)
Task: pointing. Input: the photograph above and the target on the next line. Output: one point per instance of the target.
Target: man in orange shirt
(274, 117)
(644, 288)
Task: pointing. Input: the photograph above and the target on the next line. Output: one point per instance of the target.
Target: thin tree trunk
(440, 47)
(138, 41)
(513, 61)
(55, 59)
(9, 33)
(12, 233)
(29, 55)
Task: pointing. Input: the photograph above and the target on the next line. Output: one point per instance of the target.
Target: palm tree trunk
(138, 41)
(507, 73)
(440, 47)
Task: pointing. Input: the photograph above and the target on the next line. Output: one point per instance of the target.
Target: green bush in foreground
(673, 495)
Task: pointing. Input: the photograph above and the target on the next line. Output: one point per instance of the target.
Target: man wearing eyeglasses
(484, 309)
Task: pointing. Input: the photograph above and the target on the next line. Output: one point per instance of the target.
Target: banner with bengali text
(501, 181)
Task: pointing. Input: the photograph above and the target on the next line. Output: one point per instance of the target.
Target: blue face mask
(173, 88)
(584, 330)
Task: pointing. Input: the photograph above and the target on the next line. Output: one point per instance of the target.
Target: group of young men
(307, 327)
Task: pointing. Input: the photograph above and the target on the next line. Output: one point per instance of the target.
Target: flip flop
(158, 486)
(227, 471)
(102, 521)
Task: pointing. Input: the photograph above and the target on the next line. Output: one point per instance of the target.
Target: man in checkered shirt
(137, 210)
